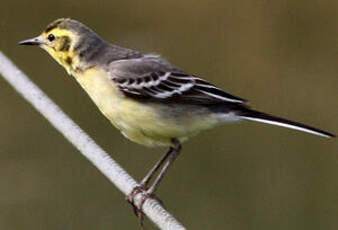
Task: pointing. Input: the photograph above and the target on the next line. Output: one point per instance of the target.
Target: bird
(151, 101)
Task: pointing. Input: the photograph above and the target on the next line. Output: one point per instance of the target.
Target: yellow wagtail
(149, 100)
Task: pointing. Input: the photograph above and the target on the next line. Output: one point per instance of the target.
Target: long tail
(253, 115)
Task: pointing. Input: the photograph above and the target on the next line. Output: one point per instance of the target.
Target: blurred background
(281, 55)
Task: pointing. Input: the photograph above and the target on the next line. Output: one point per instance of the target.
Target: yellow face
(59, 43)
(57, 40)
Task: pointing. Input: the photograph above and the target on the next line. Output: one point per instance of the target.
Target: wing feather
(154, 79)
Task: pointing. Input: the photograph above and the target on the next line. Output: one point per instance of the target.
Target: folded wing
(154, 80)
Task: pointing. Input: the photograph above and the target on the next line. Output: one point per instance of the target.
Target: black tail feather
(253, 115)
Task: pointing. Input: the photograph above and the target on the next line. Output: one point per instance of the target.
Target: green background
(281, 55)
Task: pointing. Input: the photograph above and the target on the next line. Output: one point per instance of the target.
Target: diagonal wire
(85, 144)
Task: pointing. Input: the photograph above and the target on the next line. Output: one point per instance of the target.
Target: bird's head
(67, 41)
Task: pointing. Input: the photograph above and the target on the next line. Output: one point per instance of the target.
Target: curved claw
(138, 209)
(131, 200)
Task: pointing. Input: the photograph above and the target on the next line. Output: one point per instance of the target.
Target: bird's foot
(138, 208)
(131, 200)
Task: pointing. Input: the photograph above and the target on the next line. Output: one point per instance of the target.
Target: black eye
(51, 37)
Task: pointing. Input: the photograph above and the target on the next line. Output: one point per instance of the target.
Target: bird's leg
(173, 152)
(143, 185)
(147, 178)
(150, 193)
(152, 171)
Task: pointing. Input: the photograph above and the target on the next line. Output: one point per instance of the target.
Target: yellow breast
(136, 121)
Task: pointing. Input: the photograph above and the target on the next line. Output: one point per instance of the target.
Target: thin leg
(152, 171)
(176, 150)
(173, 152)
(143, 185)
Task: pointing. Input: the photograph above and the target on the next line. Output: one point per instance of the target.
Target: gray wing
(154, 79)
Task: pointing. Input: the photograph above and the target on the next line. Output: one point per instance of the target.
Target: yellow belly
(140, 122)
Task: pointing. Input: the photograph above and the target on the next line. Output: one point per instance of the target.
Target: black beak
(31, 42)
